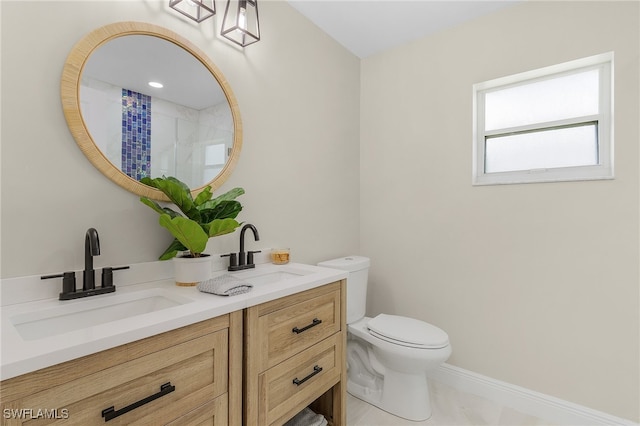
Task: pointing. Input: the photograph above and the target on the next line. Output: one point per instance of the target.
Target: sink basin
(83, 314)
(270, 276)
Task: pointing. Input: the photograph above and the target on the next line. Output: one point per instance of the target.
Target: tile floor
(450, 407)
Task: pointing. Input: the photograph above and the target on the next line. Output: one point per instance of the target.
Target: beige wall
(536, 284)
(298, 92)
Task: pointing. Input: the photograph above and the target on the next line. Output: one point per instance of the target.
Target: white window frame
(604, 119)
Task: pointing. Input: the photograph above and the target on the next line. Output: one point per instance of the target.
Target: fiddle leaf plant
(198, 219)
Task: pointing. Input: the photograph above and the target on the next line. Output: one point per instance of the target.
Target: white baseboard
(549, 408)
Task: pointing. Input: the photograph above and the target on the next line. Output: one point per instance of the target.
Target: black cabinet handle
(315, 322)
(316, 370)
(110, 413)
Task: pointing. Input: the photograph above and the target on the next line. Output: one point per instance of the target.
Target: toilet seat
(408, 332)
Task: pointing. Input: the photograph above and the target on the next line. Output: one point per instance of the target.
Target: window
(551, 124)
(214, 160)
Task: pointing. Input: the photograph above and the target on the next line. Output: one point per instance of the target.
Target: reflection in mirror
(153, 109)
(142, 101)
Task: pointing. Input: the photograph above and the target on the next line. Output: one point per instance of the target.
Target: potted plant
(200, 219)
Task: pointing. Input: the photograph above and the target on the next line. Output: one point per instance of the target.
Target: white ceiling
(366, 27)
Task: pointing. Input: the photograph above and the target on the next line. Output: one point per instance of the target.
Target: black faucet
(91, 248)
(244, 260)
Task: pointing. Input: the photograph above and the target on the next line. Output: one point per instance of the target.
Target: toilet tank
(358, 267)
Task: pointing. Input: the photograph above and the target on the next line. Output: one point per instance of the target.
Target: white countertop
(20, 356)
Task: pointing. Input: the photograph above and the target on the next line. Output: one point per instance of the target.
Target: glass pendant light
(240, 23)
(198, 10)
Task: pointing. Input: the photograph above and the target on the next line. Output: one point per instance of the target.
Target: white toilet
(388, 356)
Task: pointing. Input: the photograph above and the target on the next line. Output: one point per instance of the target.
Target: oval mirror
(140, 100)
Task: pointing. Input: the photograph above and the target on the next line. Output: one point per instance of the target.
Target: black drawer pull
(316, 370)
(315, 322)
(110, 413)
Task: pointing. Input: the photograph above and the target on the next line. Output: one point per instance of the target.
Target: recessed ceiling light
(156, 84)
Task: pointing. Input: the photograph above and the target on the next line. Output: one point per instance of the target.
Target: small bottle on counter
(280, 256)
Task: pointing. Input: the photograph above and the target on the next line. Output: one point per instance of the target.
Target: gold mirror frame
(70, 94)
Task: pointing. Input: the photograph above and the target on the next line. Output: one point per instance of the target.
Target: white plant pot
(189, 271)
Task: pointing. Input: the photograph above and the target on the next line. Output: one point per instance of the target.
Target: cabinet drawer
(305, 319)
(287, 388)
(197, 368)
(213, 413)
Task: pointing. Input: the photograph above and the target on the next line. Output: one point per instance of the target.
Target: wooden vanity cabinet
(191, 375)
(295, 357)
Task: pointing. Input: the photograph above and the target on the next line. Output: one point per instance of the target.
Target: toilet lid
(408, 332)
